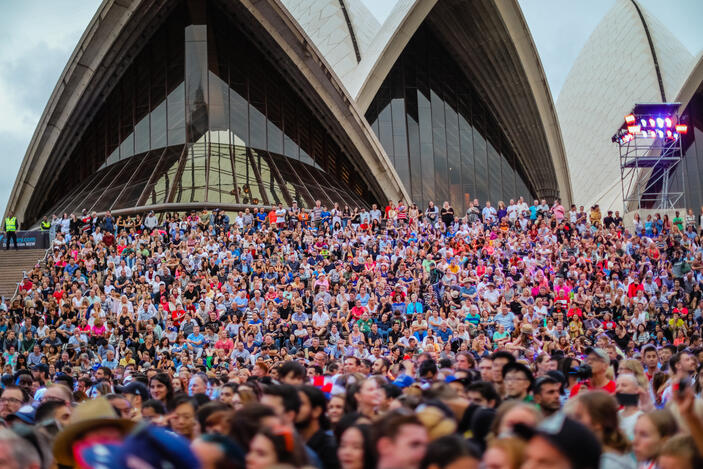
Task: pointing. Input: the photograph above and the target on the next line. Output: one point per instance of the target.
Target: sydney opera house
(172, 105)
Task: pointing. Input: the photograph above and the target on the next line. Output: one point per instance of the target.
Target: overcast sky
(38, 36)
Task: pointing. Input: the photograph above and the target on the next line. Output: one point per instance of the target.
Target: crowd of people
(509, 336)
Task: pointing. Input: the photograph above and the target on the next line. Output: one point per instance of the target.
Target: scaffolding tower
(649, 154)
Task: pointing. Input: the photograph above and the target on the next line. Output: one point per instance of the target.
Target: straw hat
(88, 415)
(436, 422)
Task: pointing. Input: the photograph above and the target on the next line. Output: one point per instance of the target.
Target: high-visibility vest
(45, 225)
(11, 224)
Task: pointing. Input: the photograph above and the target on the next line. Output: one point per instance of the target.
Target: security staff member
(45, 224)
(11, 230)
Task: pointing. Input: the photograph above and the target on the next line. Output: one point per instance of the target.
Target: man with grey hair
(16, 452)
(198, 384)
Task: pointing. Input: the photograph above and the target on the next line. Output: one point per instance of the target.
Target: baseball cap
(41, 367)
(403, 381)
(571, 438)
(146, 446)
(24, 417)
(137, 388)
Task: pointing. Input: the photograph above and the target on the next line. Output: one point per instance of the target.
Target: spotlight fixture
(681, 128)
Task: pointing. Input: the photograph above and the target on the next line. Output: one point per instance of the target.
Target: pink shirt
(558, 212)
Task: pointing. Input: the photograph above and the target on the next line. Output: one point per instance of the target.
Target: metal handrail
(40, 260)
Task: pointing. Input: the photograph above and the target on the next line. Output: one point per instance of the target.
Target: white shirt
(491, 296)
(320, 319)
(489, 213)
(123, 271)
(627, 424)
(512, 212)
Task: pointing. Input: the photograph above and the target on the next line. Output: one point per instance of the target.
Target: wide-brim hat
(88, 415)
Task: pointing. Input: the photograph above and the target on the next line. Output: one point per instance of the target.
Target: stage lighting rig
(649, 140)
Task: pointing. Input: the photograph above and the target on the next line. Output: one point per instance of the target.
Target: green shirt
(364, 326)
(678, 221)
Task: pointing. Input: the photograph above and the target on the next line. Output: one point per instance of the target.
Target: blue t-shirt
(533, 212)
(444, 334)
(506, 320)
(414, 308)
(70, 268)
(364, 300)
(241, 302)
(198, 339)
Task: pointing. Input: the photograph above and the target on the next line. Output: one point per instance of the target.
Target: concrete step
(13, 264)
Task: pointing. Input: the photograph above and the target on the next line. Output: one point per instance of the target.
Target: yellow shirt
(677, 324)
(124, 362)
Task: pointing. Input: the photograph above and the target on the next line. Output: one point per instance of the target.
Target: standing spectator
(447, 214)
(10, 230)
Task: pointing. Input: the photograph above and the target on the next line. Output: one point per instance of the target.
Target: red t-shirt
(357, 312)
(609, 387)
(633, 288)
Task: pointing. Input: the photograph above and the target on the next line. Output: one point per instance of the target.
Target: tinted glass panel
(133, 190)
(434, 128)
(176, 116)
(201, 114)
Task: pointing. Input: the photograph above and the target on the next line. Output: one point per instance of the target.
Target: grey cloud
(13, 148)
(32, 77)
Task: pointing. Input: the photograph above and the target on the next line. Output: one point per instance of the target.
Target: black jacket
(325, 446)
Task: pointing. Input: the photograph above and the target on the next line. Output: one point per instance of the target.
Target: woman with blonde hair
(504, 453)
(652, 430)
(335, 408)
(635, 368)
(512, 412)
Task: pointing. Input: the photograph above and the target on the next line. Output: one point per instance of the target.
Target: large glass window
(201, 115)
(441, 138)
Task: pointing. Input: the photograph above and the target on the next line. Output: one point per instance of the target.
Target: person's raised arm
(685, 400)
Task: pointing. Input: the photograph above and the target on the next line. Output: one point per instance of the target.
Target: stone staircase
(12, 264)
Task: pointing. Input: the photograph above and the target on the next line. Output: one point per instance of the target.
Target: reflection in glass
(196, 81)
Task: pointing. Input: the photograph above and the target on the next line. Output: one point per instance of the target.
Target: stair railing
(24, 273)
